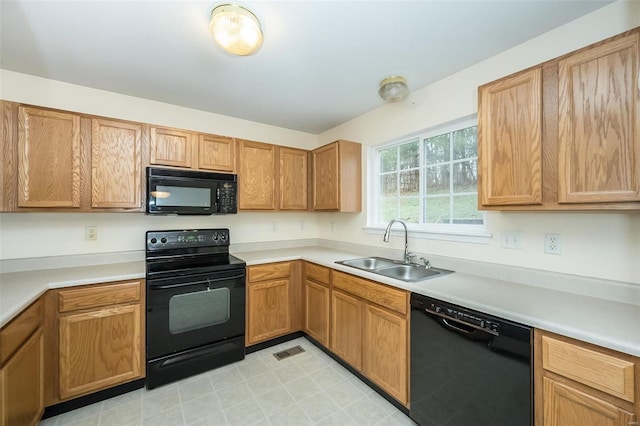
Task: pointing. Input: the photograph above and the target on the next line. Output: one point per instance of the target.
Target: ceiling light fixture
(236, 29)
(393, 88)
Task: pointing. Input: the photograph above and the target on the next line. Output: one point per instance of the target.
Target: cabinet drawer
(605, 372)
(103, 295)
(19, 330)
(384, 296)
(269, 271)
(317, 273)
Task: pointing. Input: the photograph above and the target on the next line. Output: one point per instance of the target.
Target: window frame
(475, 233)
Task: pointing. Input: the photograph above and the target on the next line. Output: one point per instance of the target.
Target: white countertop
(611, 324)
(615, 325)
(19, 289)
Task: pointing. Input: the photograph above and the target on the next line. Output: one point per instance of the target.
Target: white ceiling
(319, 66)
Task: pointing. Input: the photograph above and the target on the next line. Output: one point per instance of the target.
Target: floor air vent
(288, 352)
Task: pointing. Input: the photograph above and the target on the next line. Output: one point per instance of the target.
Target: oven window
(200, 309)
(182, 196)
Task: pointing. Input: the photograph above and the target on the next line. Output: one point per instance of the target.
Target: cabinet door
(216, 153)
(171, 147)
(567, 406)
(510, 141)
(385, 351)
(22, 384)
(99, 349)
(293, 179)
(316, 315)
(326, 179)
(269, 310)
(116, 164)
(599, 125)
(49, 154)
(257, 176)
(346, 328)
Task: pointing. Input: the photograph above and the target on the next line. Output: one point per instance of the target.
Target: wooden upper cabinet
(293, 179)
(172, 147)
(510, 141)
(216, 153)
(257, 176)
(49, 157)
(116, 164)
(337, 177)
(599, 123)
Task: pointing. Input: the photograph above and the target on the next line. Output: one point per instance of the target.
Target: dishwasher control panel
(465, 317)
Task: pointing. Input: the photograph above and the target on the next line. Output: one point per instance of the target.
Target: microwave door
(178, 197)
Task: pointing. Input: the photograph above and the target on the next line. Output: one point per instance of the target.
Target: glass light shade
(235, 29)
(393, 88)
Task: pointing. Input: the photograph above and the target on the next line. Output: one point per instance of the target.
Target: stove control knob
(163, 240)
(215, 237)
(154, 240)
(223, 236)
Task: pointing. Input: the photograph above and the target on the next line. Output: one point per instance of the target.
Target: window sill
(458, 235)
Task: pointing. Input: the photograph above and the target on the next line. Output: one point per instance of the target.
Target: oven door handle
(208, 281)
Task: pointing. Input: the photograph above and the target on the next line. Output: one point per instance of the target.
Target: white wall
(53, 234)
(605, 245)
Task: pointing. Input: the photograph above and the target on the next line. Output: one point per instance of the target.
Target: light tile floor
(306, 389)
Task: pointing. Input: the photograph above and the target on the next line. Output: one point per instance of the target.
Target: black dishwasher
(467, 367)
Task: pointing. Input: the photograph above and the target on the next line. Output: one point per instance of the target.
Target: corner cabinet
(100, 337)
(293, 179)
(273, 301)
(317, 302)
(337, 177)
(564, 135)
(577, 383)
(22, 368)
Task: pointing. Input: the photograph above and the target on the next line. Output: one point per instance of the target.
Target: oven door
(194, 310)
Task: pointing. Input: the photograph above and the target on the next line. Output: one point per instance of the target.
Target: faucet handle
(425, 263)
(408, 257)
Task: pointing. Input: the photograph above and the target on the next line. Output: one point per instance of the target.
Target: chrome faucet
(407, 256)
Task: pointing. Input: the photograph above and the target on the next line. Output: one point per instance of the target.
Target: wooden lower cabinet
(580, 384)
(316, 318)
(99, 349)
(269, 313)
(385, 351)
(273, 301)
(100, 340)
(22, 384)
(565, 405)
(346, 328)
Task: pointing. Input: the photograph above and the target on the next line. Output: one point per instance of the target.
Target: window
(430, 181)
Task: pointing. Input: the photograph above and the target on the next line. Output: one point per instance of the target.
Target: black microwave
(184, 192)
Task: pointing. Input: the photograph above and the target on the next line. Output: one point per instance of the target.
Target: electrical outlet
(301, 225)
(552, 243)
(274, 226)
(91, 233)
(511, 239)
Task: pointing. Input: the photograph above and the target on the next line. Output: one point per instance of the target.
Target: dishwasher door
(468, 368)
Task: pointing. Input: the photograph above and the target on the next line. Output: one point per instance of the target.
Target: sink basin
(368, 263)
(394, 269)
(409, 273)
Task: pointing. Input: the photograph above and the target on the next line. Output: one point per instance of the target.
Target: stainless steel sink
(394, 269)
(368, 263)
